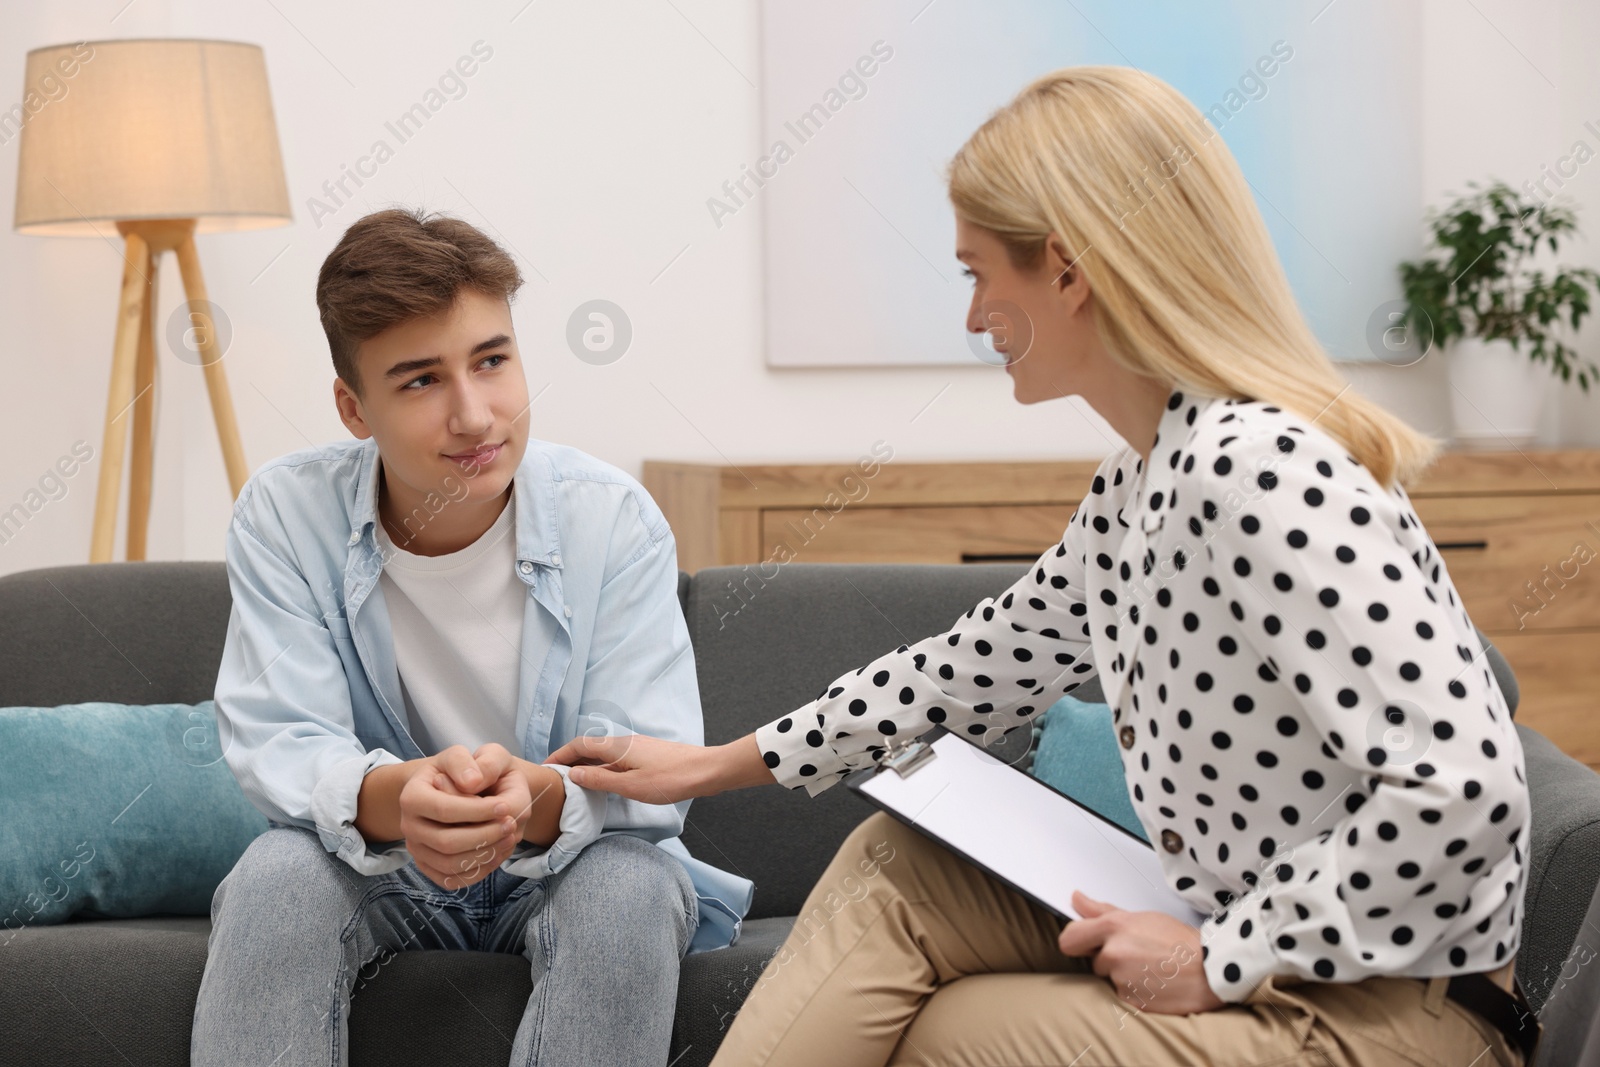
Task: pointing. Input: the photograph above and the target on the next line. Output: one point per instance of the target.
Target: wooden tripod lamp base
(133, 380)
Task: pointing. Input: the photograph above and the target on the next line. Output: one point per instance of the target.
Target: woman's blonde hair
(1186, 283)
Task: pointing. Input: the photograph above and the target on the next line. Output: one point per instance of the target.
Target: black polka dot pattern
(1312, 718)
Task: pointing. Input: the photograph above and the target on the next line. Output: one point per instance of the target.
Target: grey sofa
(123, 991)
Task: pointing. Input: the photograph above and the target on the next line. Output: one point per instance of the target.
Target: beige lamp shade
(149, 129)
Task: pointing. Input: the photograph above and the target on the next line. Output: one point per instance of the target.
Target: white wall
(588, 144)
(1507, 88)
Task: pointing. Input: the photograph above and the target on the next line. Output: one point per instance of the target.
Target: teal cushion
(1077, 755)
(115, 811)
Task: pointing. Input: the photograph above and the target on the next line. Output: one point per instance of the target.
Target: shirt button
(354, 538)
(525, 567)
(1171, 841)
(566, 609)
(556, 559)
(1127, 736)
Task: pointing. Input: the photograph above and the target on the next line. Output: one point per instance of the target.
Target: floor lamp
(161, 139)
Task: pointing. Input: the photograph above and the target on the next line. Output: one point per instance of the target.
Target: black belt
(1507, 1012)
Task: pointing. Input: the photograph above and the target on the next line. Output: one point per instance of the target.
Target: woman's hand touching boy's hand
(656, 771)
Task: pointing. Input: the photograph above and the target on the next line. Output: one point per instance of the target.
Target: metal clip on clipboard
(907, 756)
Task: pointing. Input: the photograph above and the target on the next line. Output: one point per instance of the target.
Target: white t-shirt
(457, 622)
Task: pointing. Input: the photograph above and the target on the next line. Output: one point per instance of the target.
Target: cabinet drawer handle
(1442, 545)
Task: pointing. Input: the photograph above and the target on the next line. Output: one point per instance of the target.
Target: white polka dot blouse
(1309, 728)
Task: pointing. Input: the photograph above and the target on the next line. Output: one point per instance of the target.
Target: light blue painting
(865, 101)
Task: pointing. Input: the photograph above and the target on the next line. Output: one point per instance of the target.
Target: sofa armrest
(1564, 858)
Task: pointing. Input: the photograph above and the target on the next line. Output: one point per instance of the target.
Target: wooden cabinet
(1519, 533)
(839, 513)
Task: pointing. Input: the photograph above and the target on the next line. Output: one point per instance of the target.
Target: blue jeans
(293, 926)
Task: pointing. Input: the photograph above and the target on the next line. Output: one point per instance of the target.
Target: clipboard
(1022, 832)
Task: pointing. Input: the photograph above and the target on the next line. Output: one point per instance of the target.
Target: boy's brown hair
(399, 264)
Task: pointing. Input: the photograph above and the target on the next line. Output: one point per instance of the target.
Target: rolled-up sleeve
(283, 703)
(583, 816)
(333, 812)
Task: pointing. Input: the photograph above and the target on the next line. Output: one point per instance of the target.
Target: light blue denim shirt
(308, 696)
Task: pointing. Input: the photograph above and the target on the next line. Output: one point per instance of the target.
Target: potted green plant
(1479, 296)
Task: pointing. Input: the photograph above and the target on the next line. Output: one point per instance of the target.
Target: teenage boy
(419, 617)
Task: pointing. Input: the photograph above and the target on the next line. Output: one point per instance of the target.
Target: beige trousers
(906, 954)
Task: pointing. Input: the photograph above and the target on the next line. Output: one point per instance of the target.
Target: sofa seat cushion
(463, 1008)
(103, 991)
(124, 990)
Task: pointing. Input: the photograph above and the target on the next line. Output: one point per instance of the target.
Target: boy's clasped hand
(462, 817)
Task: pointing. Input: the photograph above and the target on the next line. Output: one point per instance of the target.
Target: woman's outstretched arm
(654, 771)
(1008, 658)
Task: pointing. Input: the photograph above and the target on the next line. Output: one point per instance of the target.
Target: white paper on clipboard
(1025, 833)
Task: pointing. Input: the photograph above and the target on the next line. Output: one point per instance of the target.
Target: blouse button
(1127, 736)
(525, 567)
(1171, 841)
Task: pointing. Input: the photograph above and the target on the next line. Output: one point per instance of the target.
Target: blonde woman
(1263, 608)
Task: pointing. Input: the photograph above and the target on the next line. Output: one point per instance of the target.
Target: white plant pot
(1497, 394)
